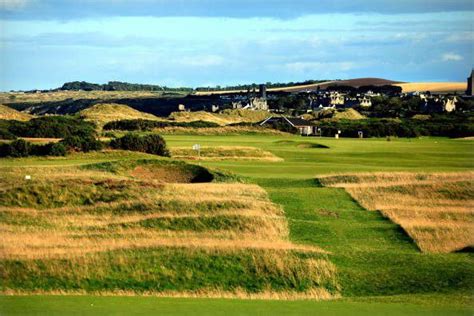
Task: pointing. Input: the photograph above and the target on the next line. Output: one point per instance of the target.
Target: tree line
(441, 126)
(117, 86)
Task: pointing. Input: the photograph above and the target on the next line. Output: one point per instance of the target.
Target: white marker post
(27, 177)
(197, 148)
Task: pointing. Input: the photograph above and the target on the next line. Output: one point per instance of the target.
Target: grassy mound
(434, 209)
(7, 113)
(106, 112)
(348, 114)
(146, 226)
(224, 153)
(225, 117)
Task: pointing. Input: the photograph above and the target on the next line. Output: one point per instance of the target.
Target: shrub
(49, 149)
(5, 134)
(57, 149)
(50, 127)
(148, 125)
(19, 148)
(85, 143)
(152, 144)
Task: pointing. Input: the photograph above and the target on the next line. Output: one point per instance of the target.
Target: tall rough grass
(102, 229)
(436, 210)
(224, 153)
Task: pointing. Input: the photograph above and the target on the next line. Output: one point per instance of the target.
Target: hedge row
(46, 127)
(446, 127)
(147, 125)
(152, 144)
(21, 148)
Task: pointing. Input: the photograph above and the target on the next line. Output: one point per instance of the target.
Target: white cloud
(451, 57)
(13, 4)
(201, 61)
(312, 66)
(460, 37)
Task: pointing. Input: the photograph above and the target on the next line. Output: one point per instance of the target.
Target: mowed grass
(374, 256)
(436, 210)
(100, 305)
(379, 267)
(342, 156)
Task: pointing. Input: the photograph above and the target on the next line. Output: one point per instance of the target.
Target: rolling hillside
(7, 113)
(440, 87)
(106, 112)
(130, 227)
(350, 82)
(223, 118)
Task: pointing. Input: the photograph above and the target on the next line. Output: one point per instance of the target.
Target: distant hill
(440, 87)
(356, 83)
(7, 113)
(322, 85)
(106, 112)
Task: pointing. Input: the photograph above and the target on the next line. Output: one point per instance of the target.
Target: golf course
(307, 243)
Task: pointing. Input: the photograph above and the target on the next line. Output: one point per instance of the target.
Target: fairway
(380, 269)
(342, 156)
(96, 305)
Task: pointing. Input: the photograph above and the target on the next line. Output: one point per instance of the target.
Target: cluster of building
(253, 100)
(337, 100)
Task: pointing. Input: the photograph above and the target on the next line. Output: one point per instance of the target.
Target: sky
(44, 43)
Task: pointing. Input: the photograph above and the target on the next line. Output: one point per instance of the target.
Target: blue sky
(44, 43)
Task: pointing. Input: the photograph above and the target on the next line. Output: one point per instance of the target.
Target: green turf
(96, 305)
(374, 257)
(344, 155)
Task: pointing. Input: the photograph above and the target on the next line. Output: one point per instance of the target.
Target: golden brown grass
(224, 153)
(222, 118)
(113, 224)
(41, 140)
(223, 130)
(7, 113)
(348, 114)
(103, 113)
(436, 209)
(13, 97)
(312, 294)
(433, 86)
(69, 212)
